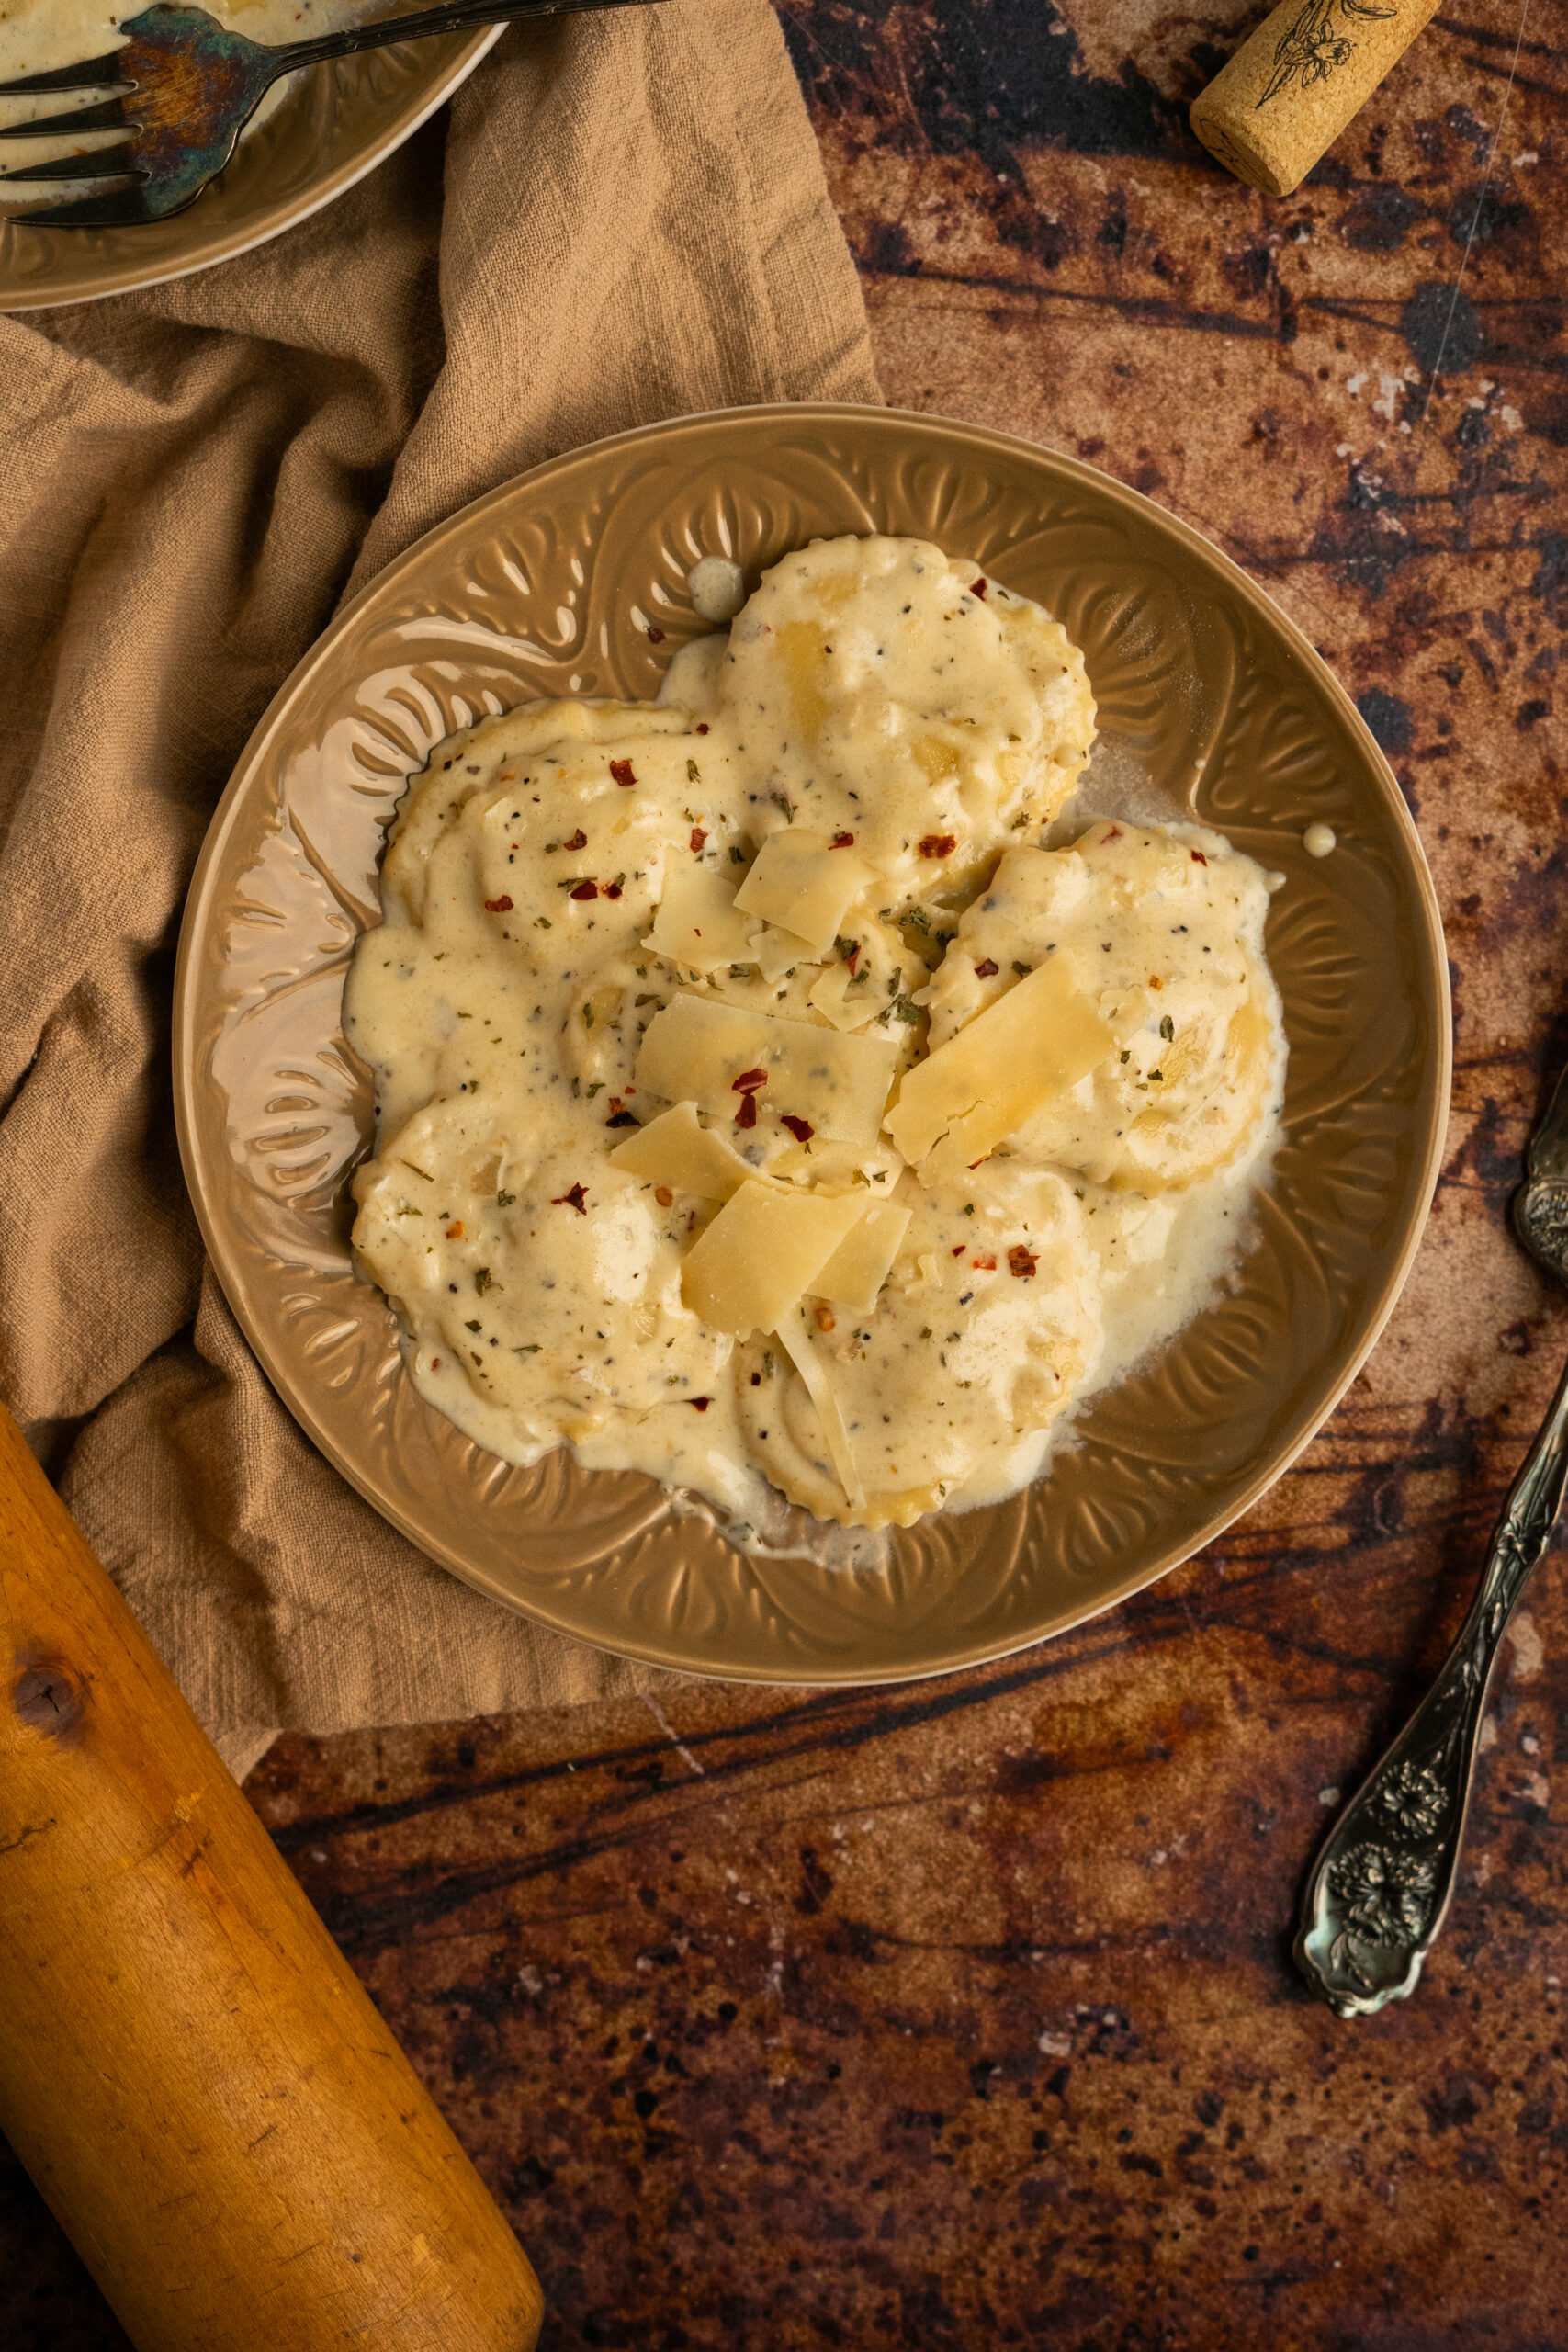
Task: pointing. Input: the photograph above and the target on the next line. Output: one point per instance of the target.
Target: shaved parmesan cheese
(765, 1246)
(695, 1049)
(830, 997)
(859, 1266)
(697, 923)
(1031, 1046)
(675, 1149)
(803, 1355)
(800, 882)
(774, 952)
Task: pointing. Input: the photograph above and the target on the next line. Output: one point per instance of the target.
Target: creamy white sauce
(877, 759)
(717, 587)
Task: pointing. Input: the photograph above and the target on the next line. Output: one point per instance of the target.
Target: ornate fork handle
(457, 15)
(1380, 1885)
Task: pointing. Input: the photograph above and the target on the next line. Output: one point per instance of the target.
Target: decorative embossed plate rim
(549, 585)
(336, 125)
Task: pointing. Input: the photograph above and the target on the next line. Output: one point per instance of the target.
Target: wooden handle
(188, 2068)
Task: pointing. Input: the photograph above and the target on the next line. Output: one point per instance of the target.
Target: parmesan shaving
(800, 882)
(774, 952)
(677, 1151)
(694, 1051)
(763, 1249)
(831, 998)
(860, 1265)
(1032, 1045)
(696, 924)
(801, 1353)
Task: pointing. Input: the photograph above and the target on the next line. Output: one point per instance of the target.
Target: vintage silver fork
(184, 88)
(1380, 1886)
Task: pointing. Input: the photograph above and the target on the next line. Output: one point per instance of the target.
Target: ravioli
(759, 1103)
(914, 703)
(1163, 932)
(557, 1311)
(983, 1333)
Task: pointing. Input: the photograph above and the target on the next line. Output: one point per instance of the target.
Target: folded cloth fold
(625, 219)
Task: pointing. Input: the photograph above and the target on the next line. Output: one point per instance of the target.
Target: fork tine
(102, 163)
(88, 73)
(114, 211)
(110, 116)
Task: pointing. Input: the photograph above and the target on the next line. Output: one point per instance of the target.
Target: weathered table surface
(961, 2014)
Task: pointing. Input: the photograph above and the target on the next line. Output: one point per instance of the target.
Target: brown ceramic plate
(547, 586)
(332, 124)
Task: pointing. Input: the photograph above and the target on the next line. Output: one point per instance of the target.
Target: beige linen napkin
(628, 222)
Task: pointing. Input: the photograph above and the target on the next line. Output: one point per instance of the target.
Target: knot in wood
(48, 1697)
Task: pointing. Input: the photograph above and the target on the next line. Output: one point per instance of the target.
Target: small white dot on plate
(1318, 840)
(717, 587)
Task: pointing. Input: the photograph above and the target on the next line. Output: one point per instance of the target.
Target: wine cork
(1290, 90)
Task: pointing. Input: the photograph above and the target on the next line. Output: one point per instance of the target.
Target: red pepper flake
(987, 970)
(825, 1319)
(498, 905)
(747, 1115)
(750, 1081)
(801, 1129)
(1154, 983)
(960, 1250)
(844, 841)
(938, 844)
(698, 1404)
(984, 1260)
(611, 889)
(664, 1196)
(852, 958)
(455, 1230)
(655, 636)
(978, 587)
(575, 1197)
(1199, 858)
(577, 841)
(623, 1119)
(434, 1363)
(702, 727)
(1021, 1261)
(623, 772)
(585, 890)
(698, 838)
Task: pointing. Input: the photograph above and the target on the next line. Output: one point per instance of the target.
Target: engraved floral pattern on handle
(1380, 1886)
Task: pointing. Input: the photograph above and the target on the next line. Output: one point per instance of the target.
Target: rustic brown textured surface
(962, 2016)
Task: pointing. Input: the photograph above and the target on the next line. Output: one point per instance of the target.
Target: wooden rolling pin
(188, 2068)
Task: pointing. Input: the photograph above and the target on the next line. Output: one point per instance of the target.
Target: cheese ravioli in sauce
(684, 1014)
